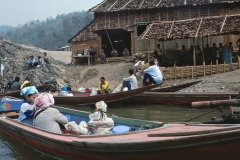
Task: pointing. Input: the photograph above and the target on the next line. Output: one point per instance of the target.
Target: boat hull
(41, 88)
(177, 98)
(222, 145)
(83, 100)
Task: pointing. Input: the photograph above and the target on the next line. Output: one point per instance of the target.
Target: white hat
(101, 106)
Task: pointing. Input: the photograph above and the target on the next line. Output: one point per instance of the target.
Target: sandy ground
(63, 56)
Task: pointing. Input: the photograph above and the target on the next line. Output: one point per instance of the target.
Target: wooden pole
(182, 72)
(194, 52)
(148, 50)
(192, 72)
(224, 67)
(230, 102)
(204, 69)
(238, 62)
(109, 39)
(175, 72)
(217, 66)
(211, 68)
(202, 51)
(187, 72)
(230, 107)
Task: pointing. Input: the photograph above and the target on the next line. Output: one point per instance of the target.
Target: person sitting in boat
(26, 83)
(130, 82)
(152, 75)
(16, 85)
(46, 117)
(99, 123)
(26, 110)
(103, 86)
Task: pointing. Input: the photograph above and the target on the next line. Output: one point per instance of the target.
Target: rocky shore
(15, 56)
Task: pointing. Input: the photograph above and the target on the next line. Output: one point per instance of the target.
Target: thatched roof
(198, 27)
(120, 5)
(85, 34)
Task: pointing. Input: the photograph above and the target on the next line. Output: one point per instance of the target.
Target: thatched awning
(120, 5)
(199, 27)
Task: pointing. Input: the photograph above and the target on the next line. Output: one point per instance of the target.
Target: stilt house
(119, 23)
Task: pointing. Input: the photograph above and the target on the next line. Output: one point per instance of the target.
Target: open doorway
(119, 38)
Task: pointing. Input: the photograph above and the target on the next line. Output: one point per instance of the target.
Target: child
(26, 110)
(102, 56)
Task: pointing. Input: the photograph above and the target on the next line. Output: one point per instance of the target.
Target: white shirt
(133, 81)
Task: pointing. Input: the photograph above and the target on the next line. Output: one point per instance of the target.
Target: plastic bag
(117, 89)
(93, 93)
(81, 89)
(63, 93)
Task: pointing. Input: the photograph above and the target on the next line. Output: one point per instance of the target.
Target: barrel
(227, 56)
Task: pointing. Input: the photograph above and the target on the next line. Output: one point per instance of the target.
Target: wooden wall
(81, 45)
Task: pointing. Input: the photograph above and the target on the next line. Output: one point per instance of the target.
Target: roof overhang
(103, 32)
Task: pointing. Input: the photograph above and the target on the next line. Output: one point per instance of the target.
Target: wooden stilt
(217, 66)
(224, 67)
(211, 68)
(204, 69)
(175, 72)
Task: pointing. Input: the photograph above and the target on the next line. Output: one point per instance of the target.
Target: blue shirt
(155, 73)
(26, 113)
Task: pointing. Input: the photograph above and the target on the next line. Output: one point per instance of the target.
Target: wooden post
(194, 52)
(182, 72)
(148, 50)
(224, 67)
(192, 72)
(187, 72)
(211, 68)
(217, 66)
(203, 51)
(238, 62)
(230, 107)
(170, 73)
(175, 72)
(204, 69)
(88, 59)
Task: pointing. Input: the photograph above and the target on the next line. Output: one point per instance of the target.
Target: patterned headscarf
(28, 90)
(44, 100)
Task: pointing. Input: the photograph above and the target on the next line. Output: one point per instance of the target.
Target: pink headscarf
(44, 100)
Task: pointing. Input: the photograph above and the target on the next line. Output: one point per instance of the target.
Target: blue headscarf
(28, 90)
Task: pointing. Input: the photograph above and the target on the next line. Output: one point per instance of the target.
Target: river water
(12, 149)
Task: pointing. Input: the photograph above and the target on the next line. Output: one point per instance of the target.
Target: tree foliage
(50, 34)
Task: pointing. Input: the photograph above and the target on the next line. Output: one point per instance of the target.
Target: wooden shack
(123, 21)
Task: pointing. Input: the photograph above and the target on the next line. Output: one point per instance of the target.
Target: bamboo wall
(196, 71)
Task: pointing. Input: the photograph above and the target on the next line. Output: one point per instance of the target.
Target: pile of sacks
(139, 57)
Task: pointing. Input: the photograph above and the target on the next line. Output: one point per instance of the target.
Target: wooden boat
(174, 88)
(83, 100)
(10, 104)
(164, 141)
(40, 88)
(178, 98)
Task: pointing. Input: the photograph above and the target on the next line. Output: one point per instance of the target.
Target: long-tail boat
(174, 88)
(40, 88)
(166, 141)
(83, 99)
(178, 98)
